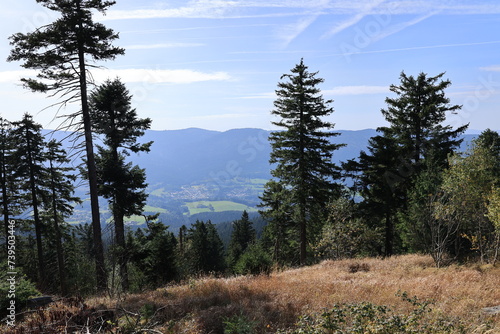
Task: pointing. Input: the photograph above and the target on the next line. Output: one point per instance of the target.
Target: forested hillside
(189, 170)
(105, 206)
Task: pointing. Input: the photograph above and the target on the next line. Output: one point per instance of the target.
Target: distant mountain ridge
(179, 157)
(196, 173)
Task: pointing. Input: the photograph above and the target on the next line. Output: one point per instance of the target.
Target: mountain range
(202, 174)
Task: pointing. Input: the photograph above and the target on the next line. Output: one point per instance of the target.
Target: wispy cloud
(493, 68)
(152, 76)
(399, 27)
(356, 90)
(336, 91)
(162, 46)
(289, 32)
(367, 10)
(415, 48)
(161, 76)
(216, 9)
(15, 76)
(259, 96)
(207, 27)
(220, 116)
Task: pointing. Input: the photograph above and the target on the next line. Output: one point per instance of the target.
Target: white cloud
(133, 75)
(337, 91)
(162, 46)
(399, 27)
(15, 76)
(356, 90)
(415, 48)
(289, 32)
(368, 8)
(260, 96)
(216, 9)
(493, 68)
(161, 76)
(220, 116)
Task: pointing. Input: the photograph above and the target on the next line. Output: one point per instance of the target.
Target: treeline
(411, 192)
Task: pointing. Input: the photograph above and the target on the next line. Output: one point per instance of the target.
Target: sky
(215, 64)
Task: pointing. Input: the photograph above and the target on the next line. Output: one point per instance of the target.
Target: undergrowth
(368, 318)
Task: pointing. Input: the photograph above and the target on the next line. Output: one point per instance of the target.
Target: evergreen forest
(411, 191)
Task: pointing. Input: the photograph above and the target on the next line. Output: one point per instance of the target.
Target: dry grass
(274, 302)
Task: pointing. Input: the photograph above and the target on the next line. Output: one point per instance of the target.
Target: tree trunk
(5, 204)
(389, 234)
(36, 216)
(59, 248)
(303, 235)
(120, 242)
(92, 172)
(302, 187)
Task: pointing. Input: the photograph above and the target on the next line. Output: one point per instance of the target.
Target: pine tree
(490, 140)
(63, 52)
(60, 200)
(120, 182)
(414, 140)
(206, 251)
(302, 150)
(243, 235)
(153, 252)
(378, 176)
(416, 115)
(279, 235)
(11, 204)
(31, 172)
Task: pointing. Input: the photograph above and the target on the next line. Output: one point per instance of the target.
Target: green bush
(238, 324)
(369, 318)
(254, 261)
(24, 290)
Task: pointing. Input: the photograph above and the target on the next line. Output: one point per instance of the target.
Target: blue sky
(215, 64)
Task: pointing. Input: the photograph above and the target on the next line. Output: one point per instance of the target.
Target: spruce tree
(31, 173)
(205, 253)
(59, 200)
(415, 139)
(302, 151)
(243, 235)
(490, 140)
(121, 182)
(153, 253)
(63, 52)
(11, 204)
(416, 117)
(378, 176)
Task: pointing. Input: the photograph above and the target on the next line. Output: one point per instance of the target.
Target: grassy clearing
(271, 303)
(158, 192)
(218, 206)
(154, 209)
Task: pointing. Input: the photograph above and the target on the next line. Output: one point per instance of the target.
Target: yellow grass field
(275, 302)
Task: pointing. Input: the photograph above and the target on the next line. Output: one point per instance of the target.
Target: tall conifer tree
(302, 151)
(121, 182)
(59, 200)
(63, 52)
(243, 235)
(414, 140)
(11, 204)
(31, 172)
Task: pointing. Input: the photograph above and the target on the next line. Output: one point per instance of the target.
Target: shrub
(368, 318)
(24, 290)
(238, 324)
(254, 261)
